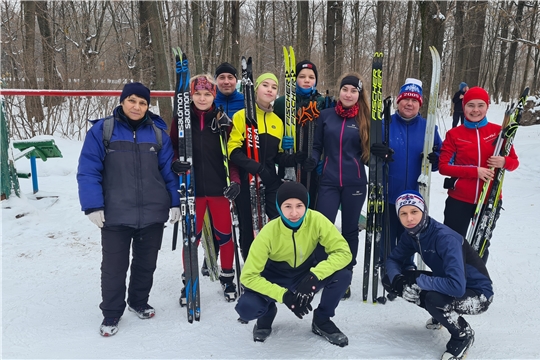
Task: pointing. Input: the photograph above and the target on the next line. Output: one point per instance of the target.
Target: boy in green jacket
(281, 267)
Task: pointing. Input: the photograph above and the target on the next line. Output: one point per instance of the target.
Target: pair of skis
(489, 202)
(424, 180)
(290, 108)
(256, 186)
(187, 187)
(376, 195)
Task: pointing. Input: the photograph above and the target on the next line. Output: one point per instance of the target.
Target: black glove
(433, 159)
(180, 167)
(291, 300)
(399, 282)
(222, 119)
(309, 164)
(300, 157)
(306, 289)
(231, 191)
(265, 175)
(382, 151)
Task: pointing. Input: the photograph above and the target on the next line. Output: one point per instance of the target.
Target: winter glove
(320, 167)
(300, 157)
(266, 176)
(287, 142)
(174, 215)
(382, 151)
(231, 191)
(411, 293)
(180, 167)
(222, 119)
(433, 159)
(309, 164)
(399, 283)
(291, 300)
(306, 289)
(97, 217)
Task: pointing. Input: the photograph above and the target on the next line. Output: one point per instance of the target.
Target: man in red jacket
(467, 156)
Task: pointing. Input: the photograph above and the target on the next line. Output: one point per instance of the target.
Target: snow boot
(456, 348)
(263, 326)
(183, 300)
(143, 312)
(204, 269)
(226, 277)
(433, 324)
(328, 330)
(109, 326)
(347, 294)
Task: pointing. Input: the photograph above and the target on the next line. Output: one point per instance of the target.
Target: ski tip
(525, 92)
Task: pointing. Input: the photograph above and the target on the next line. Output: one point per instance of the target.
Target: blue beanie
(410, 197)
(462, 86)
(135, 88)
(412, 89)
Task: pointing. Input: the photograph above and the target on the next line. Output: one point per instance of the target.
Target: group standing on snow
(128, 179)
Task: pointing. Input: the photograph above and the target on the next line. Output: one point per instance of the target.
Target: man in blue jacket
(127, 188)
(404, 153)
(457, 284)
(227, 96)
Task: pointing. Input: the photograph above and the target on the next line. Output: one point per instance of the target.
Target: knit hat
(263, 77)
(306, 64)
(412, 89)
(135, 88)
(201, 82)
(292, 190)
(353, 81)
(226, 68)
(476, 93)
(413, 198)
(462, 86)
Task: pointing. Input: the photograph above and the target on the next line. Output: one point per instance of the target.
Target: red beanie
(475, 93)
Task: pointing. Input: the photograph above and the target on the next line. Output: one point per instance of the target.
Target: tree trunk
(50, 72)
(405, 44)
(209, 56)
(330, 56)
(379, 38)
(516, 33)
(34, 110)
(196, 25)
(260, 25)
(339, 39)
(235, 20)
(302, 30)
(474, 38)
(499, 79)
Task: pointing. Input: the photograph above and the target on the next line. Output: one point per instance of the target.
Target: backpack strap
(108, 126)
(159, 136)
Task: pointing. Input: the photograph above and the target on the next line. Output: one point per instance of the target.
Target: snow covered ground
(51, 257)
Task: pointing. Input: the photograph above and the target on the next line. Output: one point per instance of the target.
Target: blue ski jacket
(454, 263)
(407, 141)
(231, 104)
(132, 181)
(339, 139)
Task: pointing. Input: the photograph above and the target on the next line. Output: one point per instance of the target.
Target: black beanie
(292, 189)
(353, 81)
(226, 68)
(135, 88)
(306, 64)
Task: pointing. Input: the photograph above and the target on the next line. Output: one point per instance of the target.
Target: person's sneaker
(226, 277)
(456, 348)
(263, 326)
(433, 324)
(143, 312)
(109, 326)
(347, 294)
(328, 330)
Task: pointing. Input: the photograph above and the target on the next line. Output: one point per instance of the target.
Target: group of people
(129, 182)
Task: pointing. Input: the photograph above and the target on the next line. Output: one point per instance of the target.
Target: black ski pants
(116, 242)
(243, 206)
(457, 117)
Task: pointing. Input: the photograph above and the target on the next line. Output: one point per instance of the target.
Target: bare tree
(516, 33)
(474, 37)
(302, 30)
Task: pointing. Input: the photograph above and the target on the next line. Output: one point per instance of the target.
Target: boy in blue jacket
(457, 284)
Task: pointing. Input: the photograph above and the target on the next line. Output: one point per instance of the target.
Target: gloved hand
(309, 164)
(399, 283)
(222, 118)
(433, 159)
(320, 167)
(231, 191)
(306, 289)
(180, 167)
(382, 151)
(300, 157)
(411, 293)
(287, 142)
(97, 217)
(174, 215)
(290, 299)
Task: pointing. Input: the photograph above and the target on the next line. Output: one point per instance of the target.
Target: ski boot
(456, 348)
(109, 326)
(143, 312)
(433, 324)
(204, 269)
(328, 330)
(226, 277)
(263, 326)
(183, 299)
(347, 294)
